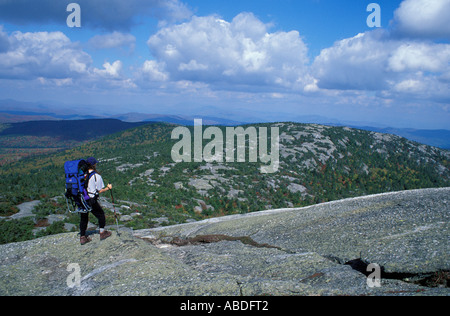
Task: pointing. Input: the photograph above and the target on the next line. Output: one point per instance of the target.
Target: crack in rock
(439, 278)
(208, 239)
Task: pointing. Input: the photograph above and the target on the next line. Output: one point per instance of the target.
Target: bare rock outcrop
(318, 250)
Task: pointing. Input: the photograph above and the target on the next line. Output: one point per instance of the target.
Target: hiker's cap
(92, 161)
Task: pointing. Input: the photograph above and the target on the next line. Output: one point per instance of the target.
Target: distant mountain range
(18, 112)
(78, 130)
(437, 138)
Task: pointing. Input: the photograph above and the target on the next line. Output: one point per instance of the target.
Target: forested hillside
(24, 139)
(317, 164)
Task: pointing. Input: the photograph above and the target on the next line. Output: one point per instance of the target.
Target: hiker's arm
(108, 187)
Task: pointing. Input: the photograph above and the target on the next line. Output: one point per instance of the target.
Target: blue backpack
(76, 186)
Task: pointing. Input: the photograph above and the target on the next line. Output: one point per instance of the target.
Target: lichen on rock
(305, 251)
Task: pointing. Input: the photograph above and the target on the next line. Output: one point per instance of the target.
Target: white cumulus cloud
(110, 70)
(416, 56)
(153, 71)
(241, 52)
(376, 61)
(356, 63)
(41, 54)
(423, 18)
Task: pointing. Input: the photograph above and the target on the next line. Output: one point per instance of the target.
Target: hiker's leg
(99, 213)
(84, 220)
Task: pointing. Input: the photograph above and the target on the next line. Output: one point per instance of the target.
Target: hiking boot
(84, 240)
(105, 235)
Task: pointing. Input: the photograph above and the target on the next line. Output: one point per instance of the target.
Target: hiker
(95, 187)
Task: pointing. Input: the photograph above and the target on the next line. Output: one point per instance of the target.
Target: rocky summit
(325, 249)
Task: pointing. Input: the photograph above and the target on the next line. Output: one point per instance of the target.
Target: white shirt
(95, 185)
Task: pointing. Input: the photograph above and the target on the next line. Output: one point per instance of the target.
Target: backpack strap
(89, 176)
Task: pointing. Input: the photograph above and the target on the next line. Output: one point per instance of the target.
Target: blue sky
(246, 60)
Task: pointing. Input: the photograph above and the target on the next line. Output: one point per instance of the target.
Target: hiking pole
(115, 214)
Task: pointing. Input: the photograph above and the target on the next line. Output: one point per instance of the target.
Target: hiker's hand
(109, 186)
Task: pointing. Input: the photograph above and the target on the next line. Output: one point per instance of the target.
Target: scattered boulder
(126, 218)
(25, 210)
